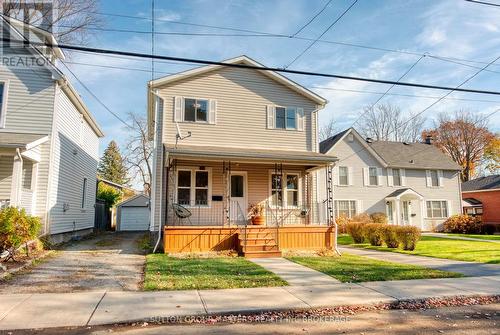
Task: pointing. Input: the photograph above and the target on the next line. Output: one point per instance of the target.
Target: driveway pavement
(467, 268)
(107, 262)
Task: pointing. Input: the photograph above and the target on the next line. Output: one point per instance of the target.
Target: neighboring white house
(413, 183)
(48, 139)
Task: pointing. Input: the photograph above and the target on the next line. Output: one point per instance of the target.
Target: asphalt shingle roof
(325, 145)
(482, 183)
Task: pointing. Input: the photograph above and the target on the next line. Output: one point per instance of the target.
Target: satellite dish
(179, 136)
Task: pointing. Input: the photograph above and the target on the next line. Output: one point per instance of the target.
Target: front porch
(257, 204)
(19, 158)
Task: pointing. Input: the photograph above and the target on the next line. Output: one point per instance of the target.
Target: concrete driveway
(110, 261)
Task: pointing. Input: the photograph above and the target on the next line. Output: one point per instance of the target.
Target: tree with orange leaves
(463, 136)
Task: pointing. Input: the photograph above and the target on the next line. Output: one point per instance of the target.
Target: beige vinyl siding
(373, 197)
(74, 158)
(258, 183)
(242, 96)
(6, 164)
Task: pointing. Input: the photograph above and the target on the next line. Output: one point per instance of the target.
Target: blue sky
(449, 28)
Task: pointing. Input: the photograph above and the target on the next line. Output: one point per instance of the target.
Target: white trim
(283, 187)
(440, 217)
(245, 187)
(183, 110)
(390, 177)
(192, 186)
(338, 176)
(3, 110)
(476, 191)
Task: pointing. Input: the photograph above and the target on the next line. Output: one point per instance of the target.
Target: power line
(253, 67)
(322, 34)
(313, 18)
(428, 107)
(387, 91)
(484, 3)
(270, 34)
(97, 98)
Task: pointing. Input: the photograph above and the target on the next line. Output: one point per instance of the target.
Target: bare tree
(465, 137)
(68, 20)
(327, 130)
(387, 122)
(139, 152)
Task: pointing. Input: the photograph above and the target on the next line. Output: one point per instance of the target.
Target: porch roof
(244, 154)
(398, 193)
(21, 140)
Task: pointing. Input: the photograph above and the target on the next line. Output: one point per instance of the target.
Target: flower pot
(259, 220)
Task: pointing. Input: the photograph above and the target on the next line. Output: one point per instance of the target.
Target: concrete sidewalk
(26, 311)
(293, 273)
(454, 237)
(467, 268)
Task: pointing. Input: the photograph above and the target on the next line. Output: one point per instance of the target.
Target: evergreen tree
(112, 167)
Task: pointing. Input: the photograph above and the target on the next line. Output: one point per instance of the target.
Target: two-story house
(228, 138)
(48, 138)
(413, 183)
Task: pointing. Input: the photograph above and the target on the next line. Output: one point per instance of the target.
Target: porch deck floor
(293, 273)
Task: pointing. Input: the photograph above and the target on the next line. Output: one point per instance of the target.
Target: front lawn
(167, 273)
(461, 250)
(352, 268)
(480, 237)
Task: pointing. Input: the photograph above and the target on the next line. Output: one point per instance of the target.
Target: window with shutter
(3, 103)
(289, 118)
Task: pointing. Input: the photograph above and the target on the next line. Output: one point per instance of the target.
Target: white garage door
(134, 218)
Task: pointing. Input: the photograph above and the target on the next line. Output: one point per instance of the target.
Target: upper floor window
(434, 178)
(373, 173)
(290, 118)
(3, 103)
(343, 175)
(196, 110)
(396, 177)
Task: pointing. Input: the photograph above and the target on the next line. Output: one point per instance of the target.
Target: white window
(373, 175)
(281, 117)
(345, 208)
(84, 192)
(389, 209)
(193, 187)
(434, 178)
(195, 110)
(290, 189)
(343, 175)
(437, 209)
(3, 102)
(396, 177)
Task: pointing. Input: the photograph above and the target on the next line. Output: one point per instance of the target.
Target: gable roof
(398, 154)
(482, 183)
(242, 60)
(401, 191)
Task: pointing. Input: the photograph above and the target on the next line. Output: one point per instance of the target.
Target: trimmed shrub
(362, 218)
(390, 236)
(379, 217)
(462, 224)
(408, 237)
(16, 228)
(342, 222)
(355, 229)
(374, 233)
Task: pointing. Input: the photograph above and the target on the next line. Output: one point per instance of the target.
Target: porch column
(17, 178)
(398, 212)
(422, 213)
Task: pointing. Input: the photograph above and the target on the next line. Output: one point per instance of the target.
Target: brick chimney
(428, 139)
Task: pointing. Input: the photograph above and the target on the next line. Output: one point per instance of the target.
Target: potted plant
(256, 214)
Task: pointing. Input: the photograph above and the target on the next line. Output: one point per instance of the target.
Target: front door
(406, 213)
(238, 193)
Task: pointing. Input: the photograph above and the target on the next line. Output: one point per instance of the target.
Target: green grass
(352, 268)
(480, 237)
(461, 250)
(167, 273)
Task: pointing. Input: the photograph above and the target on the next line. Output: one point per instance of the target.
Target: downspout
(158, 140)
(166, 208)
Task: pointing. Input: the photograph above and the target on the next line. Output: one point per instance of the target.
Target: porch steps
(260, 243)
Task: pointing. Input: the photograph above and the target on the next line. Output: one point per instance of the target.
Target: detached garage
(133, 214)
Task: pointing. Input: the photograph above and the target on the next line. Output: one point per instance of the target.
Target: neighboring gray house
(413, 183)
(48, 139)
